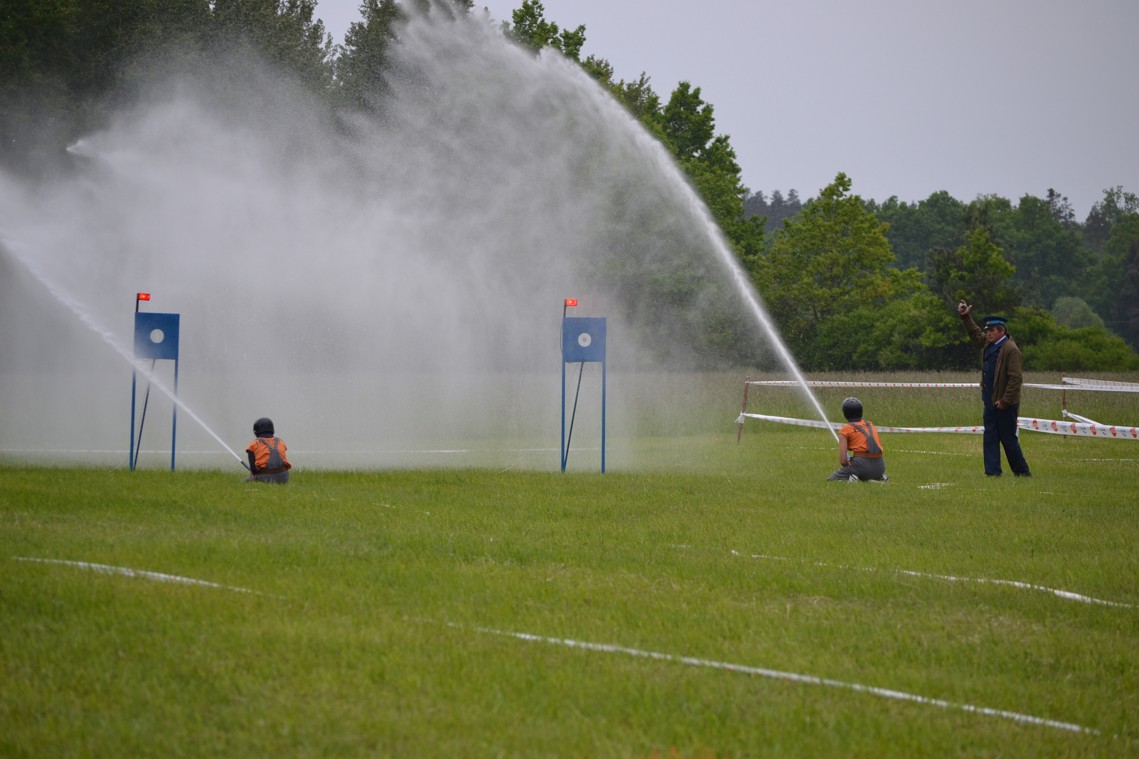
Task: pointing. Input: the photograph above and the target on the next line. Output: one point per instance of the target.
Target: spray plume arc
(747, 292)
(110, 339)
(784, 352)
(761, 316)
(403, 230)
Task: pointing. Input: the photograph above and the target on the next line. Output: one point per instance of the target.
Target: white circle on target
(157, 335)
(584, 339)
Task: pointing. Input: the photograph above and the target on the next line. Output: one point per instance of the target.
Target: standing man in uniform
(1001, 380)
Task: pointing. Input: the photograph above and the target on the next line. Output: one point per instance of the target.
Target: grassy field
(718, 599)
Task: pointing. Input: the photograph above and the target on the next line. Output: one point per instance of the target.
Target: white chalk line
(141, 573)
(775, 674)
(1066, 594)
(610, 648)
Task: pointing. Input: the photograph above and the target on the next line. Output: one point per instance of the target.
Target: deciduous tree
(1049, 258)
(1123, 245)
(1108, 212)
(977, 271)
(915, 230)
(533, 30)
(832, 263)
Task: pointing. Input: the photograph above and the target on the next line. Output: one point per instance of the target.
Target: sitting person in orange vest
(860, 455)
(268, 455)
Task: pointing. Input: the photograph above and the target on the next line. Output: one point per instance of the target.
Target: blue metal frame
(145, 347)
(583, 340)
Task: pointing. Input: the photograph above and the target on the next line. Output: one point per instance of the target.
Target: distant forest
(853, 284)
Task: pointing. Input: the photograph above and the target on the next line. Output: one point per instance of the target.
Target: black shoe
(1022, 474)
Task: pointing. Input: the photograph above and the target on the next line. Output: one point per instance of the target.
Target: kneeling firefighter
(860, 454)
(268, 455)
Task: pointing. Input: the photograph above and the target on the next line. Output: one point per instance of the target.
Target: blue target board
(156, 336)
(583, 338)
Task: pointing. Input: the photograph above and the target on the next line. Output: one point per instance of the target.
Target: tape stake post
(583, 341)
(743, 411)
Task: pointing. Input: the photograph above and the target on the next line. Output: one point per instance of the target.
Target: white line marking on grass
(895, 449)
(790, 676)
(157, 576)
(1067, 594)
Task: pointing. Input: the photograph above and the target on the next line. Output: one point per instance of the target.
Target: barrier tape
(790, 420)
(1099, 383)
(841, 383)
(1069, 415)
(1050, 426)
(1079, 429)
(976, 430)
(1103, 386)
(1096, 388)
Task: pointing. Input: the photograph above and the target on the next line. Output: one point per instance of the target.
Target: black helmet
(264, 426)
(852, 409)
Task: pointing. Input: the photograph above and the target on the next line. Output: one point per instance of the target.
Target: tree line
(852, 284)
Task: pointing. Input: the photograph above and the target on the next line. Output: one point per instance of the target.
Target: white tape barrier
(836, 426)
(1069, 415)
(1115, 388)
(1078, 429)
(1104, 386)
(842, 383)
(1051, 426)
(1134, 386)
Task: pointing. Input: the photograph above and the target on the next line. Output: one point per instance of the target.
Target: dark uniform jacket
(1009, 377)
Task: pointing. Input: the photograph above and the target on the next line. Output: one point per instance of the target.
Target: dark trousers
(863, 468)
(1001, 430)
(280, 477)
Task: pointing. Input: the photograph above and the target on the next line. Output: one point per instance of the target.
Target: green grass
(382, 603)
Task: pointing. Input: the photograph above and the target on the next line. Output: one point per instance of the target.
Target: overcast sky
(1006, 97)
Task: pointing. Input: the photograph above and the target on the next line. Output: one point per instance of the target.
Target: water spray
(788, 360)
(110, 339)
(749, 296)
(421, 212)
(146, 372)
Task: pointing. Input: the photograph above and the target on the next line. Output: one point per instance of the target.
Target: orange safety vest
(269, 455)
(862, 439)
